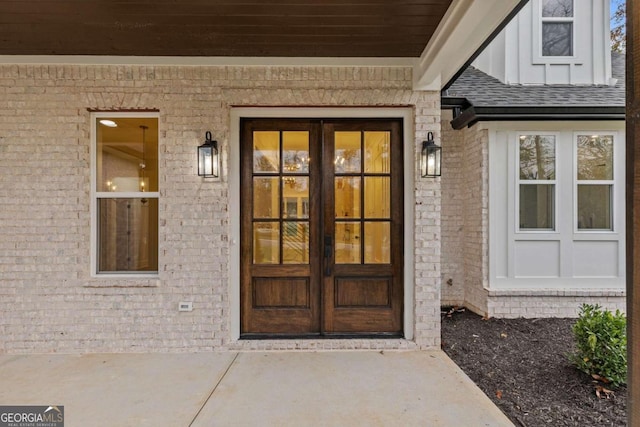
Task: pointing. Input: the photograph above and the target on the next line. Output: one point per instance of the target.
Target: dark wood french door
(321, 227)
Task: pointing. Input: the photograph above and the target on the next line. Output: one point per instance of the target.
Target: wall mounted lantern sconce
(209, 158)
(430, 158)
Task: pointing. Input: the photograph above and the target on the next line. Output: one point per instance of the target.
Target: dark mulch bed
(521, 365)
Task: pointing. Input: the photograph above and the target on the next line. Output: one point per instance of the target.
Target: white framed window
(124, 193)
(536, 182)
(557, 28)
(594, 182)
(555, 24)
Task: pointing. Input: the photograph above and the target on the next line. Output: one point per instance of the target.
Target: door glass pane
(537, 209)
(377, 243)
(266, 243)
(347, 152)
(594, 207)
(127, 154)
(266, 200)
(377, 197)
(557, 39)
(128, 235)
(377, 155)
(295, 203)
(295, 152)
(347, 197)
(295, 242)
(266, 151)
(595, 157)
(347, 243)
(537, 157)
(557, 8)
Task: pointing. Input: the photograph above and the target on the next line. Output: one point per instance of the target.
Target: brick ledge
(322, 344)
(557, 293)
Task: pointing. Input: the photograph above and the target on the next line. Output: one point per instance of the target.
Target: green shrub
(601, 339)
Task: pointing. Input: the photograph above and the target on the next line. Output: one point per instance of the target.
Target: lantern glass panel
(208, 160)
(431, 160)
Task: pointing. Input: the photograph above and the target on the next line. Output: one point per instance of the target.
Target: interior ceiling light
(109, 123)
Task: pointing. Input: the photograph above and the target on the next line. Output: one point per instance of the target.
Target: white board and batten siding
(565, 257)
(515, 55)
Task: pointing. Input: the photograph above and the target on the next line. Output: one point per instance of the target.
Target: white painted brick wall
(48, 300)
(476, 216)
(465, 216)
(453, 207)
(535, 303)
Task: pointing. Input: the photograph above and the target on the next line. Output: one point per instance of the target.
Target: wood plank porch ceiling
(276, 28)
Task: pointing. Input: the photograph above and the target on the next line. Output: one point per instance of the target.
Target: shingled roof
(477, 96)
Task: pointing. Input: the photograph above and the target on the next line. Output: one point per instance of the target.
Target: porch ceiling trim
(207, 60)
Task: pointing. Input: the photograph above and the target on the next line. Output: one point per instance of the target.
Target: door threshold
(334, 336)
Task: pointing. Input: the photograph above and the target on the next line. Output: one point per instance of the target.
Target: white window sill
(557, 60)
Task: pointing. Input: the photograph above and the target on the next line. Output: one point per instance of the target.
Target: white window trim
(516, 162)
(536, 37)
(613, 182)
(94, 195)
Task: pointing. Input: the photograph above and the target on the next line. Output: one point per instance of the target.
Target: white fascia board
(463, 29)
(207, 61)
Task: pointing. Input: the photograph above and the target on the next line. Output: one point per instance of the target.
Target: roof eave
(462, 34)
(474, 114)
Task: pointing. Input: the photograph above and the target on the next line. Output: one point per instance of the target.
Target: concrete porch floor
(341, 388)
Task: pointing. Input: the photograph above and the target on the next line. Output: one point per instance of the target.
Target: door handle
(328, 247)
